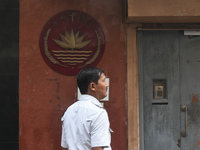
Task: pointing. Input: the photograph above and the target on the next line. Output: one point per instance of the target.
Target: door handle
(184, 109)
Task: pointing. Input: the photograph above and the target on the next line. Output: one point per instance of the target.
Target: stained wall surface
(44, 94)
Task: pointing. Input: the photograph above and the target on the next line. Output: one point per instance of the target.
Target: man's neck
(93, 94)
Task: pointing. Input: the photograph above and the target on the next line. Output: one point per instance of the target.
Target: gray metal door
(169, 87)
(190, 90)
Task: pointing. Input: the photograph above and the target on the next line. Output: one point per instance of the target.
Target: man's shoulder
(86, 104)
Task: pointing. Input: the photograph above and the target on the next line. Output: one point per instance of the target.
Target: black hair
(86, 76)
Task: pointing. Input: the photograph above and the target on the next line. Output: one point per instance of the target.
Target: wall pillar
(132, 88)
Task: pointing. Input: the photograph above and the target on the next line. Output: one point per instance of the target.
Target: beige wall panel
(132, 89)
(163, 11)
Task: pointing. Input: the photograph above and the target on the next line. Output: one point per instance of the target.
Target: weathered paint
(190, 88)
(198, 143)
(179, 143)
(197, 132)
(45, 94)
(159, 49)
(158, 53)
(195, 98)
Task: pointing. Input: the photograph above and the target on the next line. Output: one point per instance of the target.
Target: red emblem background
(78, 22)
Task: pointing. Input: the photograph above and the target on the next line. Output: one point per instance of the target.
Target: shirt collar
(86, 97)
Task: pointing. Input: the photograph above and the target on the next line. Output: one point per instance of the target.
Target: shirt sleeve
(100, 133)
(63, 137)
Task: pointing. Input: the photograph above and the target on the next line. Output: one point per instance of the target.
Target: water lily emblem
(71, 40)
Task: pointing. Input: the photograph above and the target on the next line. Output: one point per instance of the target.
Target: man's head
(91, 80)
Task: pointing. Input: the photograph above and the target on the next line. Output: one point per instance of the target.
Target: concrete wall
(44, 94)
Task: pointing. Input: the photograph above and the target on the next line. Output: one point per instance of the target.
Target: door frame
(134, 109)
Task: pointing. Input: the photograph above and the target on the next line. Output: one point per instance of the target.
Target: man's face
(101, 87)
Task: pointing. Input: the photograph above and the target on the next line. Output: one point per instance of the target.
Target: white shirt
(85, 124)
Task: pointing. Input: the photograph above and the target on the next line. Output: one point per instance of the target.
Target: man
(85, 123)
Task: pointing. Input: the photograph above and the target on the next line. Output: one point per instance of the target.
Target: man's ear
(92, 86)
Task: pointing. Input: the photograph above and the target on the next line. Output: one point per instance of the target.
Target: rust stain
(179, 143)
(195, 98)
(198, 143)
(197, 132)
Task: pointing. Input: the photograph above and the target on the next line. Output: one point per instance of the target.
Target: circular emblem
(70, 41)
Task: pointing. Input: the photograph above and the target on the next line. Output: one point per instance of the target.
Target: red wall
(46, 94)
